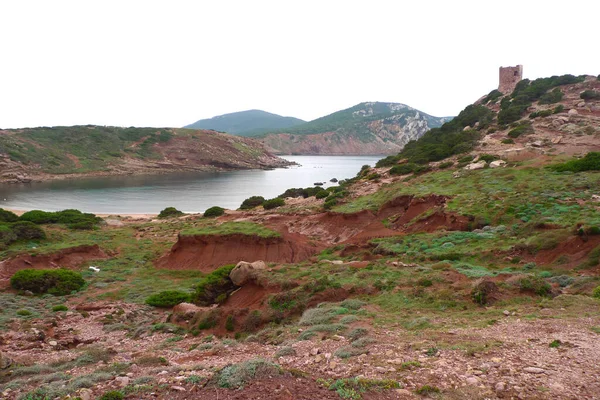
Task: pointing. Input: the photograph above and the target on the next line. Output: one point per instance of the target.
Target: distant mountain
(246, 123)
(367, 128)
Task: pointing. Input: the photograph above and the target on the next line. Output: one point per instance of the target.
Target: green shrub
(551, 97)
(60, 307)
(407, 168)
(507, 141)
(518, 131)
(591, 162)
(7, 216)
(112, 395)
(558, 109)
(535, 284)
(25, 230)
(215, 211)
(168, 298)
(273, 203)
(542, 114)
(252, 202)
(58, 282)
(427, 390)
(170, 212)
(24, 313)
(237, 375)
(492, 96)
(83, 226)
(39, 217)
(590, 95)
(329, 204)
(213, 285)
(596, 292)
(230, 323)
(446, 164)
(322, 194)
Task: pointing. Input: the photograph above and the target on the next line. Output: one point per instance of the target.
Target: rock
(500, 387)
(5, 361)
(404, 393)
(318, 358)
(506, 313)
(315, 351)
(595, 197)
(332, 365)
(318, 183)
(581, 104)
(53, 343)
(245, 271)
(497, 164)
(334, 180)
(537, 143)
(572, 112)
(556, 140)
(85, 394)
(178, 388)
(533, 370)
(456, 174)
(478, 165)
(472, 380)
(122, 380)
(186, 310)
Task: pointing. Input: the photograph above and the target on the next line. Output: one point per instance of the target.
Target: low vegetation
(168, 298)
(58, 282)
(215, 211)
(170, 212)
(232, 228)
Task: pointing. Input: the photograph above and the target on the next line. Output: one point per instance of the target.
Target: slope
(246, 123)
(55, 152)
(367, 128)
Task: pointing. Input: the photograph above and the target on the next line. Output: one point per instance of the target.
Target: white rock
(178, 388)
(497, 164)
(85, 394)
(500, 387)
(478, 165)
(122, 380)
(573, 111)
(53, 343)
(533, 370)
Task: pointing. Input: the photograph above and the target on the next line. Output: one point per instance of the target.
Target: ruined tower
(509, 77)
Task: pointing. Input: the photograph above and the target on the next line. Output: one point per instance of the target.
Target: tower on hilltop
(509, 77)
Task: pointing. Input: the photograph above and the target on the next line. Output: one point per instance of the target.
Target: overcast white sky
(170, 63)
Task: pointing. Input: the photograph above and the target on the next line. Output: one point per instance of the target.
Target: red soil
(576, 249)
(250, 296)
(71, 258)
(207, 252)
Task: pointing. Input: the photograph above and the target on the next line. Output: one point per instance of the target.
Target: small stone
(53, 343)
(533, 370)
(122, 380)
(332, 365)
(500, 387)
(404, 392)
(129, 374)
(573, 112)
(318, 358)
(315, 351)
(506, 313)
(85, 394)
(497, 164)
(337, 337)
(178, 388)
(472, 380)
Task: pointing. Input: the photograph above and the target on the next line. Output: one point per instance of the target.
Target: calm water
(187, 192)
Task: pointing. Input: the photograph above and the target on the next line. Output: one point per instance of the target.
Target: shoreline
(104, 215)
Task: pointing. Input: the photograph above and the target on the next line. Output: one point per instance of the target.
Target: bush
(519, 130)
(213, 285)
(58, 282)
(596, 292)
(322, 194)
(407, 168)
(25, 230)
(273, 203)
(7, 216)
(558, 109)
(252, 202)
(446, 164)
(507, 141)
(591, 162)
(551, 97)
(329, 204)
(60, 307)
(168, 298)
(39, 217)
(215, 211)
(69, 216)
(535, 285)
(112, 395)
(170, 212)
(237, 375)
(83, 226)
(590, 95)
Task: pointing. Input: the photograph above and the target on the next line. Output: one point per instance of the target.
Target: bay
(188, 192)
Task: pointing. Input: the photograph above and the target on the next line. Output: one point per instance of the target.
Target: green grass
(230, 228)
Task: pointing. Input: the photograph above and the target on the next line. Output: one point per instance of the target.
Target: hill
(367, 128)
(55, 152)
(246, 123)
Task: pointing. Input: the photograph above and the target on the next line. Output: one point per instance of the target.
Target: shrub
(7, 216)
(551, 97)
(230, 323)
(58, 282)
(215, 211)
(446, 164)
(558, 109)
(492, 96)
(427, 390)
(112, 395)
(322, 194)
(170, 212)
(25, 230)
(60, 307)
(402, 169)
(590, 95)
(168, 298)
(83, 226)
(329, 204)
(596, 292)
(253, 321)
(535, 284)
(507, 141)
(39, 217)
(213, 285)
(24, 313)
(237, 375)
(252, 202)
(591, 162)
(273, 203)
(518, 131)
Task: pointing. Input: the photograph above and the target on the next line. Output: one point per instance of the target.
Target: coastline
(103, 215)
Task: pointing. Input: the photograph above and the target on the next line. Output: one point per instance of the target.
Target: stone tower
(509, 77)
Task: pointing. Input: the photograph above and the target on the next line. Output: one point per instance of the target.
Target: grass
(231, 228)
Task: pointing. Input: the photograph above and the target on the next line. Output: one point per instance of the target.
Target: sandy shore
(115, 215)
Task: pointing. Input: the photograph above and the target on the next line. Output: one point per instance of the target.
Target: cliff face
(66, 152)
(368, 128)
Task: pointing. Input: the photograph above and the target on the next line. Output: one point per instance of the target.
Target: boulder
(497, 164)
(573, 111)
(478, 165)
(186, 312)
(245, 272)
(5, 361)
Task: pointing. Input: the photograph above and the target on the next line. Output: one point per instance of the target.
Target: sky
(170, 63)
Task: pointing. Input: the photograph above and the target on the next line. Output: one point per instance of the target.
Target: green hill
(366, 128)
(246, 123)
